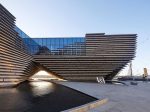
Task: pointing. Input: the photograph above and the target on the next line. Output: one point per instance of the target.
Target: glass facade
(61, 46)
(28, 42)
(53, 46)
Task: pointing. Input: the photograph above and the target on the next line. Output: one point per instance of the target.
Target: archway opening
(45, 76)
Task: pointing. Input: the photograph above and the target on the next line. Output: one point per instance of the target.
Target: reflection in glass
(61, 46)
(51, 46)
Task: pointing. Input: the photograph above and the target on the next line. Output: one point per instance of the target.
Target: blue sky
(55, 18)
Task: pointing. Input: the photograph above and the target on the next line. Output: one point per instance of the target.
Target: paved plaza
(122, 98)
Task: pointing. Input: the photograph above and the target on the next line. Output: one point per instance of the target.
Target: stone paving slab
(132, 98)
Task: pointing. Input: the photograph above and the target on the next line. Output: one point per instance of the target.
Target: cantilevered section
(71, 58)
(113, 51)
(100, 55)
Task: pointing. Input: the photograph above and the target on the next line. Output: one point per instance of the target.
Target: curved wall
(94, 56)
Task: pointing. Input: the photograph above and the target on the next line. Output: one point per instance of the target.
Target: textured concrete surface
(8, 84)
(132, 98)
(88, 106)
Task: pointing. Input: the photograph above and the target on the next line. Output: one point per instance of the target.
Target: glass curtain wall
(51, 46)
(61, 46)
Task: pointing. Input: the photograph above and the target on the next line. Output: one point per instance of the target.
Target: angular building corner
(15, 62)
(77, 59)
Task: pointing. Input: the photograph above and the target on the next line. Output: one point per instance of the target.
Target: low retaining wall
(87, 107)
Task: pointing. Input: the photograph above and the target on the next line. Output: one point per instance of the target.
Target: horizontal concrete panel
(100, 55)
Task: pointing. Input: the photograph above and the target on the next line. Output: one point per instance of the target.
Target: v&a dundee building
(70, 58)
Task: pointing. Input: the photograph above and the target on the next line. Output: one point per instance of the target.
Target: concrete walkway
(132, 98)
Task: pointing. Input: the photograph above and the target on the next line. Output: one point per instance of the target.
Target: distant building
(71, 58)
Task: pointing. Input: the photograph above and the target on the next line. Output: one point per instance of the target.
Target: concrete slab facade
(99, 55)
